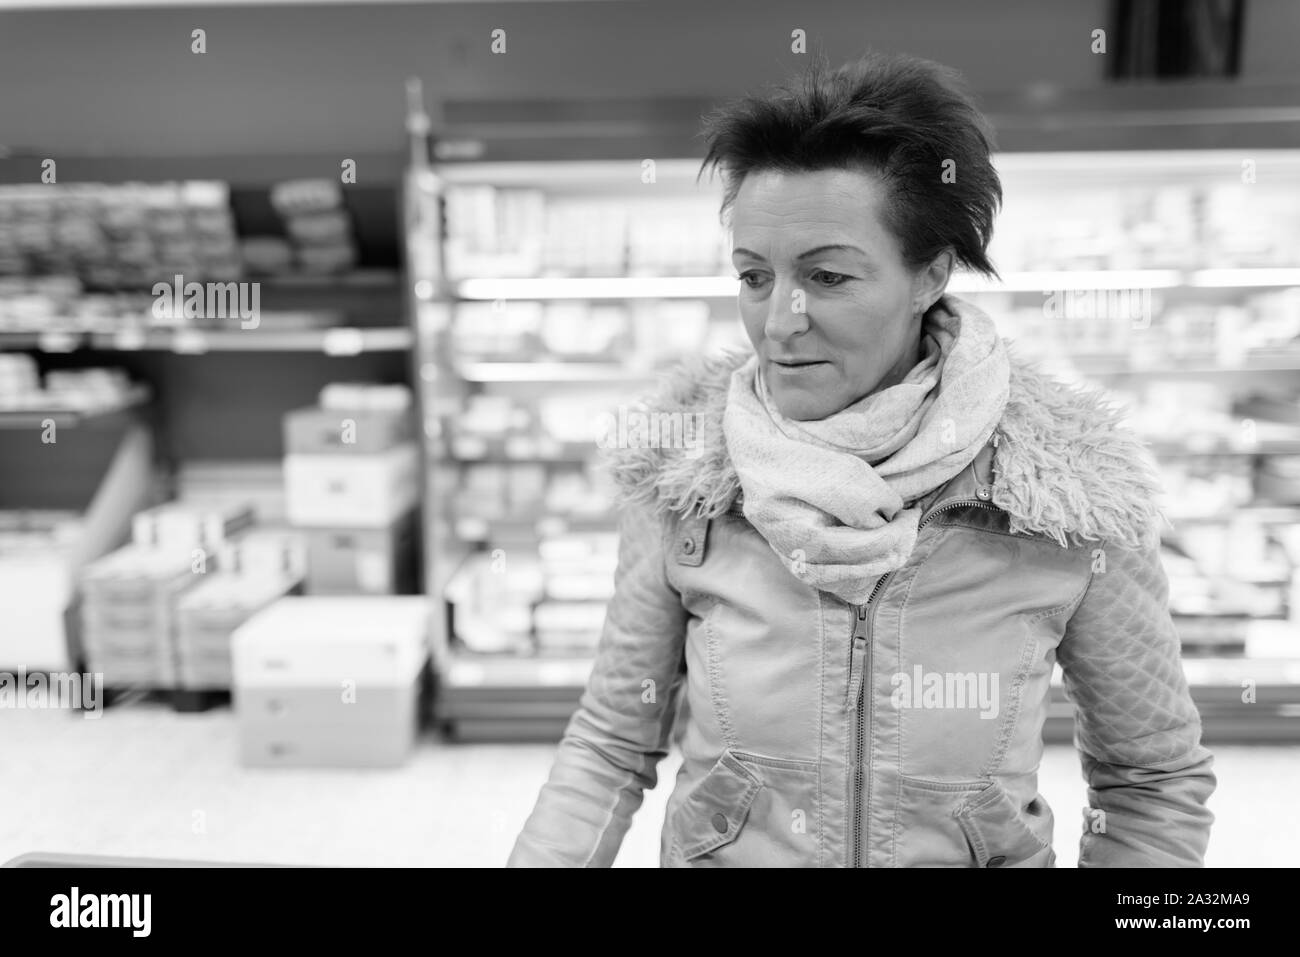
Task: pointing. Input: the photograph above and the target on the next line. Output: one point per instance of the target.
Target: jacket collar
(968, 485)
(1063, 467)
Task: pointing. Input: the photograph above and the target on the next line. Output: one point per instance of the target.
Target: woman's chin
(800, 405)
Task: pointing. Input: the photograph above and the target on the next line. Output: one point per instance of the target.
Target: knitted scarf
(836, 498)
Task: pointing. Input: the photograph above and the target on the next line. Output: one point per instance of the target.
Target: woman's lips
(796, 367)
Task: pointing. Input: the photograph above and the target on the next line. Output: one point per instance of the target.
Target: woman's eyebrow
(741, 251)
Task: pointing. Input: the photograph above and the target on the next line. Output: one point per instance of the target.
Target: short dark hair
(899, 116)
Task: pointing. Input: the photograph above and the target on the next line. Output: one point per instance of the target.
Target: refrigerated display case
(560, 289)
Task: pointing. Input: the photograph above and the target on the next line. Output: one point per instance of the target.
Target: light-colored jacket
(906, 731)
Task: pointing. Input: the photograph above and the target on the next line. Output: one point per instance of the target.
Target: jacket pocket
(998, 834)
(966, 824)
(926, 830)
(715, 810)
(750, 810)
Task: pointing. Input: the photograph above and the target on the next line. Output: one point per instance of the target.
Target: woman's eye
(824, 278)
(751, 278)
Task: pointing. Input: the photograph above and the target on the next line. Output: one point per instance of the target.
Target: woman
(860, 572)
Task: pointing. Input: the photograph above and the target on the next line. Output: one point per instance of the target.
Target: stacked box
(119, 236)
(268, 551)
(206, 618)
(330, 682)
(130, 597)
(352, 483)
(317, 223)
(128, 614)
(351, 490)
(362, 561)
(178, 525)
(322, 431)
(256, 567)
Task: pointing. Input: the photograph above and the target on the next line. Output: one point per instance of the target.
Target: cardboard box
(268, 551)
(181, 525)
(128, 614)
(351, 491)
(296, 744)
(331, 681)
(362, 561)
(317, 431)
(207, 616)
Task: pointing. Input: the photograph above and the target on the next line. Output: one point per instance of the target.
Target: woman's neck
(905, 364)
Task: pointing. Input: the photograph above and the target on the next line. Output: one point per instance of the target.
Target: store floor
(145, 781)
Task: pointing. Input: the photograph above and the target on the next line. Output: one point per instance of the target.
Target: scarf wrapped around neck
(836, 498)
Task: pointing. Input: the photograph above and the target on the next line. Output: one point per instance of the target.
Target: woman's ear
(931, 281)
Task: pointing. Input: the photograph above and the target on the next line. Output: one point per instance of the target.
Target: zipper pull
(857, 657)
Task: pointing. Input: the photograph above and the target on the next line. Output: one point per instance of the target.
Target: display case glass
(547, 295)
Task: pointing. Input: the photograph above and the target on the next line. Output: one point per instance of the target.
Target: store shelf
(356, 279)
(1225, 673)
(335, 341)
(1050, 281)
(331, 341)
(1281, 514)
(706, 287)
(1115, 365)
(1069, 279)
(677, 176)
(509, 698)
(1244, 278)
(465, 670)
(550, 372)
(472, 529)
(516, 448)
(599, 287)
(53, 341)
(71, 418)
(1188, 450)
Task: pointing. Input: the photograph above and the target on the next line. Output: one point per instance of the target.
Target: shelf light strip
(1070, 279)
(548, 372)
(1245, 277)
(668, 287)
(613, 287)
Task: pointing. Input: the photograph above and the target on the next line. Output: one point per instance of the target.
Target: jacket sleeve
(615, 740)
(1137, 730)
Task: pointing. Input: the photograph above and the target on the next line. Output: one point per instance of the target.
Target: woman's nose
(786, 313)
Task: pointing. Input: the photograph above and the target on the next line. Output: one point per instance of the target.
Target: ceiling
(578, 77)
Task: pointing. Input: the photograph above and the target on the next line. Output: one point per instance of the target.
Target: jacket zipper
(859, 681)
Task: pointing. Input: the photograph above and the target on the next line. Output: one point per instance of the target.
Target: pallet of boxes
(334, 678)
(158, 613)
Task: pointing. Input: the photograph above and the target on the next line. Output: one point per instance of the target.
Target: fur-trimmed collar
(1064, 466)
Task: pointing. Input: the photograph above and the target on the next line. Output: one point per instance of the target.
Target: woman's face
(826, 298)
